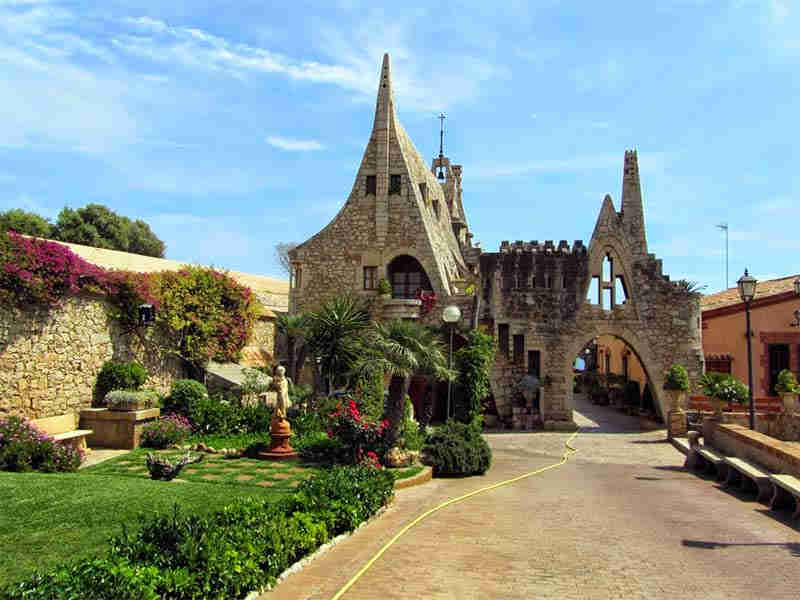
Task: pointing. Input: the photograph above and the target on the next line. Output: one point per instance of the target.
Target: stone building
(401, 224)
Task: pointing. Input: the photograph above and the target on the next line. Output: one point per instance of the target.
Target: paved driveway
(620, 520)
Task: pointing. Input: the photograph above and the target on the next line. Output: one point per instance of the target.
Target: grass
(407, 472)
(48, 519)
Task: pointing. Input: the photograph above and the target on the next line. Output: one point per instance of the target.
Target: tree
(25, 222)
(296, 329)
(336, 337)
(282, 254)
(98, 226)
(404, 348)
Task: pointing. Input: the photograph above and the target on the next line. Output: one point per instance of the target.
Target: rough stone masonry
(401, 224)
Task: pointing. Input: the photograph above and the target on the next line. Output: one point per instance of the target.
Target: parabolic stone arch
(641, 348)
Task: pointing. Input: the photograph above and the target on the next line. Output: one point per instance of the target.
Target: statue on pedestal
(280, 431)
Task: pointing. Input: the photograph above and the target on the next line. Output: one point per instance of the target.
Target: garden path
(621, 519)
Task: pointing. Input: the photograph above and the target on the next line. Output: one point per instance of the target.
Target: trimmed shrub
(457, 449)
(166, 431)
(183, 395)
(318, 447)
(676, 379)
(23, 447)
(116, 375)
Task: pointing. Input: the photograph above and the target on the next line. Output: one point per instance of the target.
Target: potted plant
(676, 384)
(788, 388)
(723, 389)
(384, 289)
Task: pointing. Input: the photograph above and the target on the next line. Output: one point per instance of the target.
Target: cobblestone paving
(620, 520)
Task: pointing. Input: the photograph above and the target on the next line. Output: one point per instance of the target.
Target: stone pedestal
(116, 428)
(279, 448)
(676, 423)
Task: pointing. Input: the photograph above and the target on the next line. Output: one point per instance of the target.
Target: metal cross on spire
(441, 118)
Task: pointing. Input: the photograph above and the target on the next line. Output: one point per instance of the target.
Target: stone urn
(677, 400)
(789, 402)
(717, 404)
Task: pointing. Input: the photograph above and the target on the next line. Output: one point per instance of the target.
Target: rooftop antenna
(724, 227)
(441, 118)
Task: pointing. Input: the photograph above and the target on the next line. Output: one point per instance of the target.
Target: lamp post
(450, 315)
(796, 322)
(747, 291)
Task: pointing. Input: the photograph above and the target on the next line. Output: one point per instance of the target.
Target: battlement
(546, 247)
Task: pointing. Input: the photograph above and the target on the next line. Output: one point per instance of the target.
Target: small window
(423, 191)
(372, 186)
(534, 363)
(394, 184)
(502, 339)
(370, 278)
(436, 208)
(548, 282)
(625, 367)
(533, 281)
(563, 282)
(608, 362)
(519, 349)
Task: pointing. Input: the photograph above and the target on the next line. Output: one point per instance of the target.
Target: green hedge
(226, 554)
(457, 449)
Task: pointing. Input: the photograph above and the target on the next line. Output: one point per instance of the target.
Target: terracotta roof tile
(764, 289)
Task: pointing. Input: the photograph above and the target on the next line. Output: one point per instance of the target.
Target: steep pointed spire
(384, 107)
(632, 206)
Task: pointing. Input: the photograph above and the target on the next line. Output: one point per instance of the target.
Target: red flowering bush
(370, 459)
(360, 436)
(24, 447)
(428, 300)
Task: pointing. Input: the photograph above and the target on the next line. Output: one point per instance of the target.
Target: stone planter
(717, 405)
(789, 402)
(677, 399)
(116, 429)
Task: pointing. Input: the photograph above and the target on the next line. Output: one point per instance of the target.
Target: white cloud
(291, 145)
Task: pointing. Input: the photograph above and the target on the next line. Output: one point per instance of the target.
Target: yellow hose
(567, 453)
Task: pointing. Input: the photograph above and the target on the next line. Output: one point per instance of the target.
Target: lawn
(47, 519)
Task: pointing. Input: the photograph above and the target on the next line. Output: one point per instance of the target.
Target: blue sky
(230, 126)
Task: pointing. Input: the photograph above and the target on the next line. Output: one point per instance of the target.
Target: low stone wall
(735, 440)
(781, 426)
(49, 358)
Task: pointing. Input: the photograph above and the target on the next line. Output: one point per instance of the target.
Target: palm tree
(336, 336)
(403, 348)
(295, 329)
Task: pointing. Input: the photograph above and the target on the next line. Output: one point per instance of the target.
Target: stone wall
(261, 349)
(753, 446)
(49, 358)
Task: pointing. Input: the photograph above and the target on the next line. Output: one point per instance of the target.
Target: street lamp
(747, 291)
(450, 315)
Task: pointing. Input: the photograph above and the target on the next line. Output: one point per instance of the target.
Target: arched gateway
(544, 301)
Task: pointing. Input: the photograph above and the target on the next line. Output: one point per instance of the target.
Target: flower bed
(23, 447)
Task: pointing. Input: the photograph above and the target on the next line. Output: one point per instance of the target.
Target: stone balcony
(401, 308)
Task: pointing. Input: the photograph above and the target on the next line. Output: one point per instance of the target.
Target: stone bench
(785, 489)
(710, 459)
(64, 429)
(742, 471)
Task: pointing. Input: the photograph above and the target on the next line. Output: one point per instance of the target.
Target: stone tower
(399, 223)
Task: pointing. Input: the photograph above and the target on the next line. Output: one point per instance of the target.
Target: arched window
(407, 277)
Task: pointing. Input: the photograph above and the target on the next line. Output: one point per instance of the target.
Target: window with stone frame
(372, 185)
(423, 191)
(519, 349)
(436, 208)
(395, 182)
(502, 339)
(370, 278)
